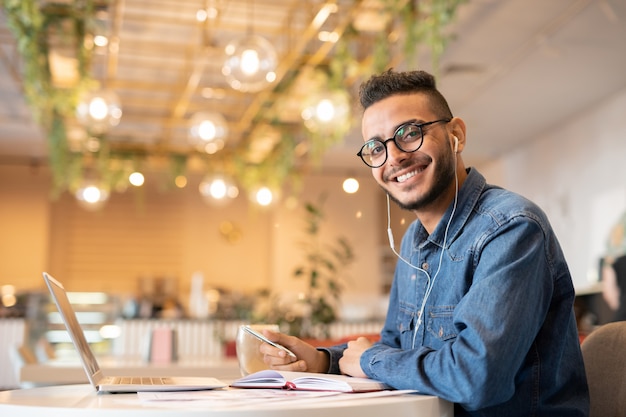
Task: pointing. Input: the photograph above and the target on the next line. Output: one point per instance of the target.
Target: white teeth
(405, 177)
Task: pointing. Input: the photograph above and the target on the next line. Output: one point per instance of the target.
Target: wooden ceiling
(506, 59)
(164, 61)
(168, 65)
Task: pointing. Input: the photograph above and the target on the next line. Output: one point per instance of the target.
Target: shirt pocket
(440, 327)
(405, 324)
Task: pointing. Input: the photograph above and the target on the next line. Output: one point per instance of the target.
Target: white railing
(205, 339)
(195, 338)
(341, 329)
(11, 339)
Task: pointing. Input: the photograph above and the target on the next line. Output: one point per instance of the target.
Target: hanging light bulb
(97, 111)
(136, 178)
(180, 181)
(350, 185)
(91, 195)
(98, 32)
(208, 131)
(263, 196)
(100, 41)
(218, 189)
(326, 111)
(250, 63)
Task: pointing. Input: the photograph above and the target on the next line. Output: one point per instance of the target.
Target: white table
(82, 400)
(71, 372)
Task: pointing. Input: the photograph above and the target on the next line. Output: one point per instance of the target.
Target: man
(480, 309)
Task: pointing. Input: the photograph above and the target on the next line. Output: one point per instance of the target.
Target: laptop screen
(73, 327)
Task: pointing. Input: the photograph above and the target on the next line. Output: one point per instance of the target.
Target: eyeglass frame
(420, 126)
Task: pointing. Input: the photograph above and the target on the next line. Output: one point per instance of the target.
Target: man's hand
(308, 358)
(350, 363)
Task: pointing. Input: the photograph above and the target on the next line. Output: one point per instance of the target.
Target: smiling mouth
(404, 177)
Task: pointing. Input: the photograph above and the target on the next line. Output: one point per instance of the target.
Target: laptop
(123, 383)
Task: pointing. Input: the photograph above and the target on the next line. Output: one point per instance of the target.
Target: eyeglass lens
(408, 138)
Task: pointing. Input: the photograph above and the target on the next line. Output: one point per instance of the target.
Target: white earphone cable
(429, 283)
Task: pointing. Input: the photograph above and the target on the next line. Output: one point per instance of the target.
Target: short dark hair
(390, 83)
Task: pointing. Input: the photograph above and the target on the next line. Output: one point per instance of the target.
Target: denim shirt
(499, 336)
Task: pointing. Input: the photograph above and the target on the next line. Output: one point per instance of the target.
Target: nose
(395, 154)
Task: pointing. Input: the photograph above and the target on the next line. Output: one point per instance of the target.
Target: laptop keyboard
(141, 380)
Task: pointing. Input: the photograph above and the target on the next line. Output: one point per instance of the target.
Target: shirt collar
(468, 197)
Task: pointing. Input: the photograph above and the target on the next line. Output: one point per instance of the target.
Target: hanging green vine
(39, 26)
(35, 24)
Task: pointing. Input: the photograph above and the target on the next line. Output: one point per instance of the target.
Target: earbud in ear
(456, 144)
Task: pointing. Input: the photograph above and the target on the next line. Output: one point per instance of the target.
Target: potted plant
(322, 269)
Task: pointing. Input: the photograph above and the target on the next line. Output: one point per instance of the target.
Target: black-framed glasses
(407, 137)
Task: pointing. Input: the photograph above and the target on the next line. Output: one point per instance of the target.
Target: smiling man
(480, 309)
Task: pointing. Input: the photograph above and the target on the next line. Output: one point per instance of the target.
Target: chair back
(604, 353)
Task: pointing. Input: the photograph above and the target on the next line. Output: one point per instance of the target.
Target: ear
(457, 130)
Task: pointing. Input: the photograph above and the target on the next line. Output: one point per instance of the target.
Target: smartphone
(269, 342)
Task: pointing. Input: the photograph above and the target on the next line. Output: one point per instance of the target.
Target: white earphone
(456, 144)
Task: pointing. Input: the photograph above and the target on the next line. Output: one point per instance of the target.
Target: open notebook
(116, 384)
(308, 381)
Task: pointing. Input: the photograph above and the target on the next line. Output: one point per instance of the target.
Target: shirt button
(425, 266)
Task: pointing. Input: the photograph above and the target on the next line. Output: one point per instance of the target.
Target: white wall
(576, 173)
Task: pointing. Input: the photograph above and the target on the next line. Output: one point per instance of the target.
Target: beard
(444, 176)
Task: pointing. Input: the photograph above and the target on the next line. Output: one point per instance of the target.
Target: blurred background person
(613, 270)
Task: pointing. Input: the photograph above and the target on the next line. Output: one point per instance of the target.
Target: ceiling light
(100, 41)
(351, 185)
(250, 63)
(208, 131)
(136, 178)
(180, 181)
(97, 111)
(326, 110)
(201, 15)
(218, 189)
(91, 195)
(263, 196)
